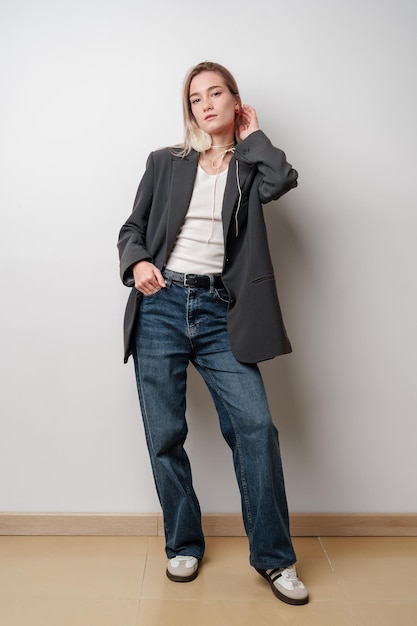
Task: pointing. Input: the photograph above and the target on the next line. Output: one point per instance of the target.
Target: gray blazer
(258, 173)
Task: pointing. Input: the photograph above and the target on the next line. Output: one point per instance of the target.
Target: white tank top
(199, 247)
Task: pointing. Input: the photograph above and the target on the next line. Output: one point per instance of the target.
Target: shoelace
(290, 573)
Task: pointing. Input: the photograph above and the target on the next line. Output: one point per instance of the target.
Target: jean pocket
(221, 294)
(152, 295)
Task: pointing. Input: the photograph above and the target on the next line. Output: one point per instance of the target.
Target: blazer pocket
(261, 279)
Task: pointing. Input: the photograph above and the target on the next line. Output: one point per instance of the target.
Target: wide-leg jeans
(176, 326)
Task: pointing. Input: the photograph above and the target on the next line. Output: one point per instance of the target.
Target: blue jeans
(176, 326)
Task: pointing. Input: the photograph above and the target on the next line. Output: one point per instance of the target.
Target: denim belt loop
(168, 278)
(212, 289)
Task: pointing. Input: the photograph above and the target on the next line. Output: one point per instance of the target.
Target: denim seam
(188, 486)
(246, 498)
(142, 402)
(192, 328)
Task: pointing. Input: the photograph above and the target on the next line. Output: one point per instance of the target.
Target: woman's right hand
(148, 278)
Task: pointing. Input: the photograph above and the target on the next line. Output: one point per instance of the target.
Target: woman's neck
(219, 143)
(216, 159)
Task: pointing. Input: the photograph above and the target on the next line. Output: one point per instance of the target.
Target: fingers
(159, 278)
(148, 278)
(249, 121)
(147, 284)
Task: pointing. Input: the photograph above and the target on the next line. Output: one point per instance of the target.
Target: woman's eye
(195, 101)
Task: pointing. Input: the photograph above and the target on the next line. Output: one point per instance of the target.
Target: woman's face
(212, 104)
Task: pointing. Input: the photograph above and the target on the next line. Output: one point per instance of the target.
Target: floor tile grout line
(326, 554)
(140, 590)
(339, 582)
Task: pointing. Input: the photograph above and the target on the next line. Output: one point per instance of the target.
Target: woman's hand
(148, 278)
(248, 121)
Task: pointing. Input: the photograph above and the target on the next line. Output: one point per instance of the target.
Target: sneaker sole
(182, 579)
(279, 594)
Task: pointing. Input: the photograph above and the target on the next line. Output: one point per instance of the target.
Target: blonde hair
(194, 137)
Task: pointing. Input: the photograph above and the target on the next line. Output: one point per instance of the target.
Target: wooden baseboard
(354, 524)
(214, 525)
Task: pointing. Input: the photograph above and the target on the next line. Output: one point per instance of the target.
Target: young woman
(195, 253)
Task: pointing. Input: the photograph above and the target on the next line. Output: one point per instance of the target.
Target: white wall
(88, 89)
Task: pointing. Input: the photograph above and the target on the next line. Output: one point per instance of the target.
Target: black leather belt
(195, 280)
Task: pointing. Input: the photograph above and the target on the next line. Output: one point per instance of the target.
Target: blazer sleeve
(277, 175)
(132, 236)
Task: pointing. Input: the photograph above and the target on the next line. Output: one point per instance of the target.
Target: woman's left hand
(248, 121)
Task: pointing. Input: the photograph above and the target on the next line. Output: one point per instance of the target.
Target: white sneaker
(286, 585)
(182, 569)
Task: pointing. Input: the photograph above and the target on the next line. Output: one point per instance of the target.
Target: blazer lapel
(237, 171)
(181, 189)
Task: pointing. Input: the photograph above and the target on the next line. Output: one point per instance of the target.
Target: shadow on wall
(287, 377)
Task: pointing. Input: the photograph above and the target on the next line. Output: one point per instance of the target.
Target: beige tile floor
(120, 581)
